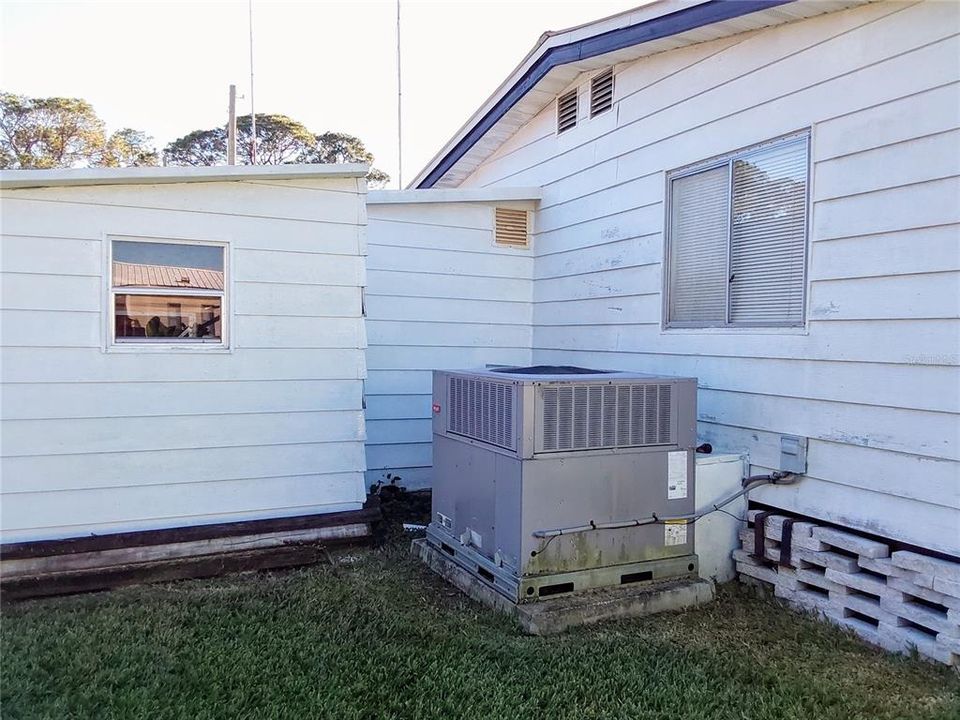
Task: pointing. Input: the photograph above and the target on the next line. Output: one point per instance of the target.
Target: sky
(165, 67)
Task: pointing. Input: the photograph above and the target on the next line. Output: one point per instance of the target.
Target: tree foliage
(57, 132)
(129, 148)
(280, 140)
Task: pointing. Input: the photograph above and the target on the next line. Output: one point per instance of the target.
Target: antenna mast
(399, 109)
(253, 116)
(232, 128)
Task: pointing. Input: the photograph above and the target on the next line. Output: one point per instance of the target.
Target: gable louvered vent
(567, 111)
(591, 417)
(511, 228)
(601, 92)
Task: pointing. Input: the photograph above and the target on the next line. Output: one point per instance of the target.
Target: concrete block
(815, 602)
(905, 639)
(800, 536)
(819, 579)
(555, 615)
(905, 586)
(926, 565)
(787, 578)
(861, 628)
(770, 551)
(768, 575)
(745, 557)
(947, 587)
(828, 559)
(949, 643)
(885, 566)
(858, 580)
(921, 615)
(851, 543)
(865, 606)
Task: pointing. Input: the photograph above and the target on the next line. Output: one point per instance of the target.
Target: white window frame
(139, 345)
(711, 164)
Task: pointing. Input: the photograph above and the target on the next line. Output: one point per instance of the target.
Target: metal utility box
(517, 450)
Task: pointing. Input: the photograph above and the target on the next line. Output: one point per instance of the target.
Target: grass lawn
(383, 638)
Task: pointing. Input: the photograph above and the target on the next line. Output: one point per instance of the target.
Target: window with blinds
(736, 238)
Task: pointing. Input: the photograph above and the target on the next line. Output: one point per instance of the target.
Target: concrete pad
(554, 615)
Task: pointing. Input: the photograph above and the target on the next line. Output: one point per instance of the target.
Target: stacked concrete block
(903, 601)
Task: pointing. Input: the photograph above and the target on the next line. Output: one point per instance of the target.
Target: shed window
(567, 111)
(601, 92)
(167, 293)
(736, 238)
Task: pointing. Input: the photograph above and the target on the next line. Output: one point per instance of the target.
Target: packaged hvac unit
(517, 451)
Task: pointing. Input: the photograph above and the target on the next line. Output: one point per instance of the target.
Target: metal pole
(232, 128)
(253, 115)
(399, 109)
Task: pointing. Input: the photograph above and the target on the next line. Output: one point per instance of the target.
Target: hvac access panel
(517, 452)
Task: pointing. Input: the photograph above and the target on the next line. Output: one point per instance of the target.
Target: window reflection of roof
(165, 276)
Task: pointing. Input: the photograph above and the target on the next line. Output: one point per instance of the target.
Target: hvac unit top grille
(482, 410)
(589, 417)
(601, 92)
(567, 111)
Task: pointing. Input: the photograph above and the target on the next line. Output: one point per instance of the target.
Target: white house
(764, 194)
(796, 163)
(181, 346)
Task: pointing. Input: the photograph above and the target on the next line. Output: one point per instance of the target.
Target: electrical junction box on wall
(521, 450)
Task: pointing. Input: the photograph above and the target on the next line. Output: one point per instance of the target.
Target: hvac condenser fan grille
(482, 410)
(590, 417)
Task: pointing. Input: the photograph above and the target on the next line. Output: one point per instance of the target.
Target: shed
(181, 347)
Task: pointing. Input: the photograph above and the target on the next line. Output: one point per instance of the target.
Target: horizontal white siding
(873, 378)
(98, 441)
(440, 295)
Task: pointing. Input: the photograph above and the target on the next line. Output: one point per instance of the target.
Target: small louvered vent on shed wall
(589, 417)
(482, 410)
(567, 111)
(511, 228)
(601, 92)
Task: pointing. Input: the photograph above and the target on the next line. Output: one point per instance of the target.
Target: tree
(48, 132)
(333, 147)
(280, 140)
(129, 148)
(40, 133)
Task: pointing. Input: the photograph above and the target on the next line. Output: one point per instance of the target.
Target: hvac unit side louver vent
(482, 410)
(593, 417)
(601, 92)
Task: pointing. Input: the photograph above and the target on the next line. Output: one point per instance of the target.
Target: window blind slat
(698, 258)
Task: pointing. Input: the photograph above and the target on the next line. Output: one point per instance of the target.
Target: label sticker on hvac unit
(677, 475)
(675, 532)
